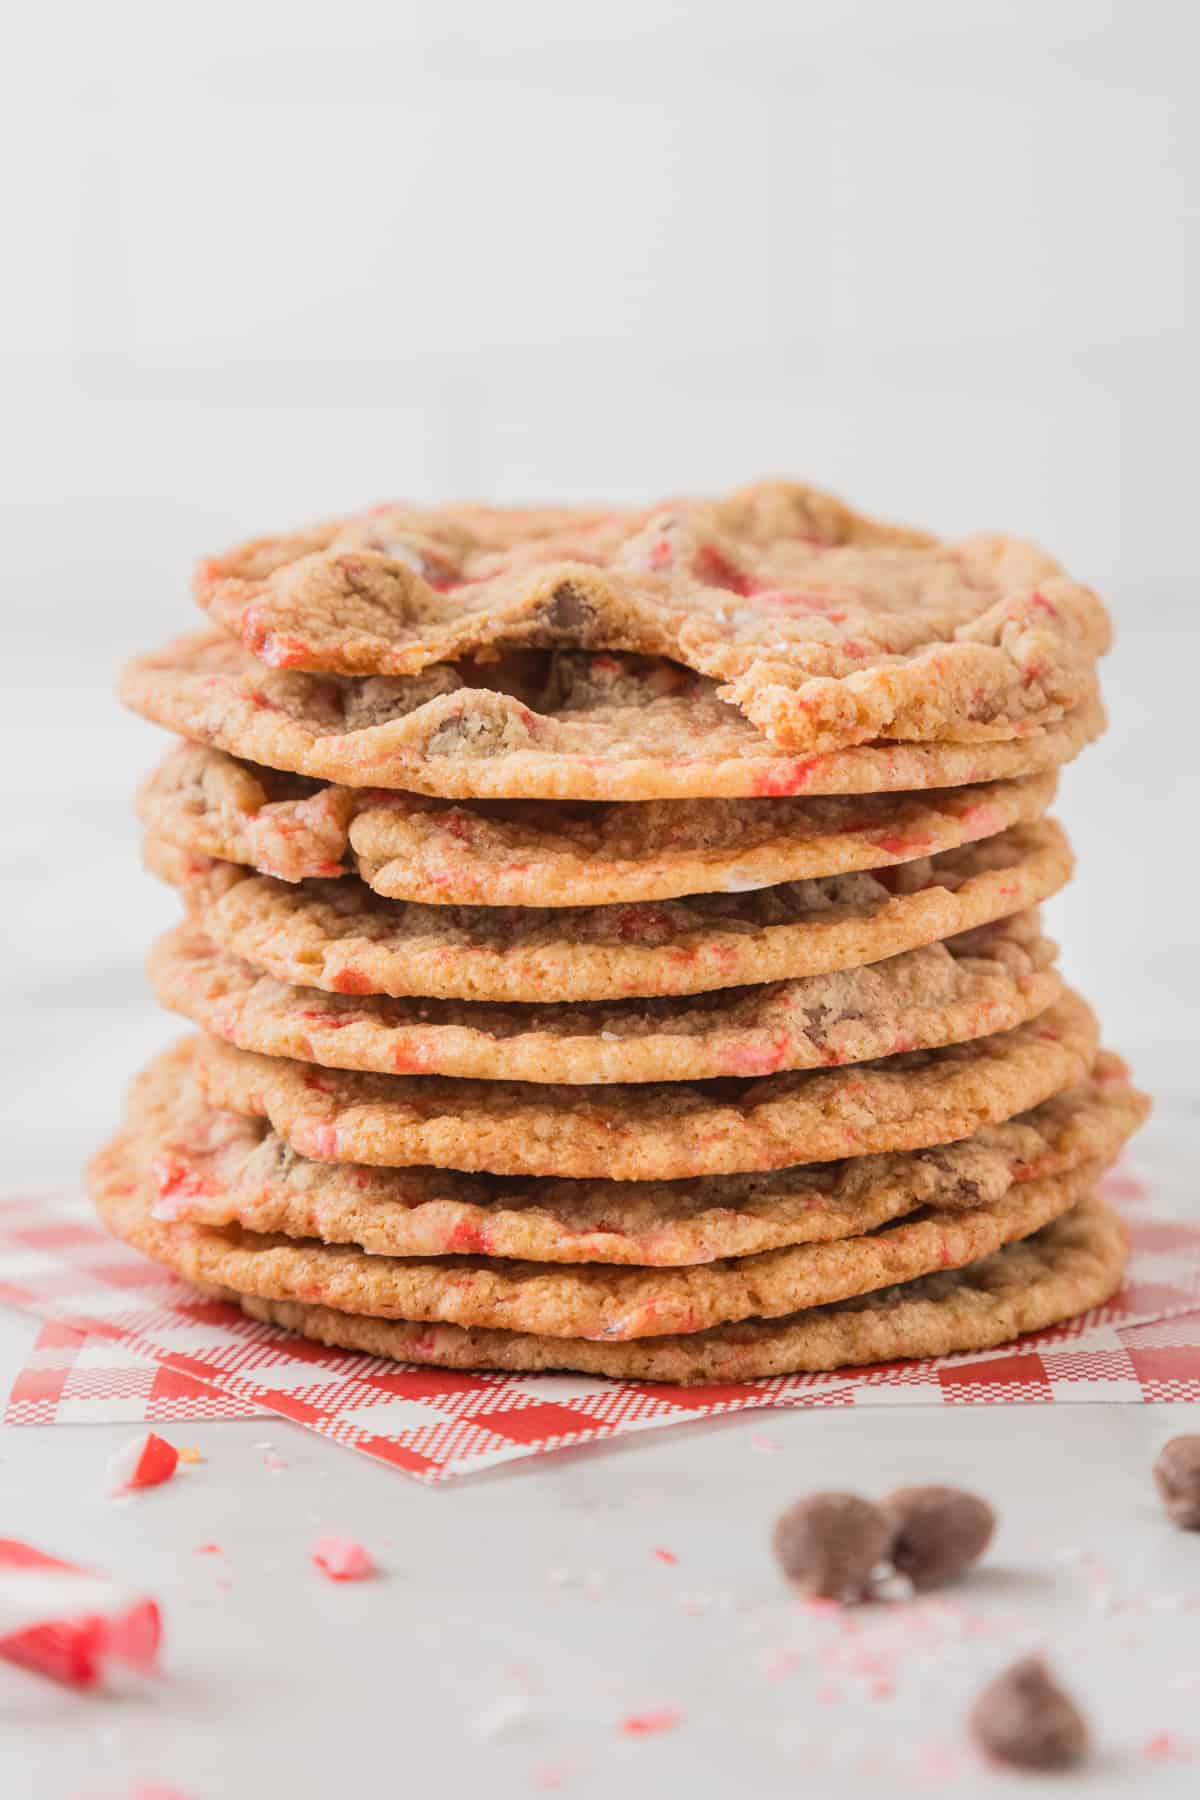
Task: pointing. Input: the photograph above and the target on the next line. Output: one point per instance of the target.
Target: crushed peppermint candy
(342, 1558)
(505, 1714)
(72, 1626)
(144, 1461)
(646, 1724)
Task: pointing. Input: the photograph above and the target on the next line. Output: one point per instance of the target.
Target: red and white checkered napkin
(126, 1340)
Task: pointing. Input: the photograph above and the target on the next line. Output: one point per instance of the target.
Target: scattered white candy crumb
(501, 1715)
(761, 1442)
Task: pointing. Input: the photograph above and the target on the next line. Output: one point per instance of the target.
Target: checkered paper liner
(125, 1339)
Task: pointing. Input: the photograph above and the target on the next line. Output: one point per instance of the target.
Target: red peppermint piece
(64, 1623)
(663, 1718)
(142, 1462)
(342, 1559)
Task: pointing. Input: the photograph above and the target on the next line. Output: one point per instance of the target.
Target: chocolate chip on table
(1023, 1717)
(938, 1532)
(829, 1544)
(1177, 1477)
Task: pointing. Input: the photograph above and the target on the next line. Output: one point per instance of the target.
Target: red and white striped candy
(142, 1462)
(64, 1622)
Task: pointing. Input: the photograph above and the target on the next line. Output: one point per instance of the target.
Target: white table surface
(522, 1614)
(518, 1617)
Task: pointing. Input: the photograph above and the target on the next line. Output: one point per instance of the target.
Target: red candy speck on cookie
(469, 1240)
(788, 778)
(984, 818)
(351, 981)
(714, 567)
(279, 651)
(176, 1185)
(324, 1141)
(755, 1059)
(332, 1021)
(342, 1558)
(142, 1462)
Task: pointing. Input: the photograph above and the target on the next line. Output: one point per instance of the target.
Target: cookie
(987, 980)
(219, 1168)
(605, 1303)
(543, 726)
(547, 853)
(342, 937)
(659, 1131)
(1073, 1264)
(827, 628)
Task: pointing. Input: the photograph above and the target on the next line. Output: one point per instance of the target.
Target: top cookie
(827, 628)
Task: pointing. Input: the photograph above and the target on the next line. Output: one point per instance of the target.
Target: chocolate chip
(938, 1532)
(1177, 1477)
(1023, 1717)
(828, 1545)
(566, 617)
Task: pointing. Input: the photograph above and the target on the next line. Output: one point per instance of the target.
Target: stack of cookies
(614, 942)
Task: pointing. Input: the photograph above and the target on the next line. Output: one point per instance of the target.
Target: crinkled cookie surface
(826, 628)
(608, 1304)
(560, 725)
(1073, 1264)
(986, 980)
(342, 937)
(659, 1131)
(219, 1168)
(541, 854)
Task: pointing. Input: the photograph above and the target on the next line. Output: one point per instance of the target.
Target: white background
(265, 262)
(268, 262)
